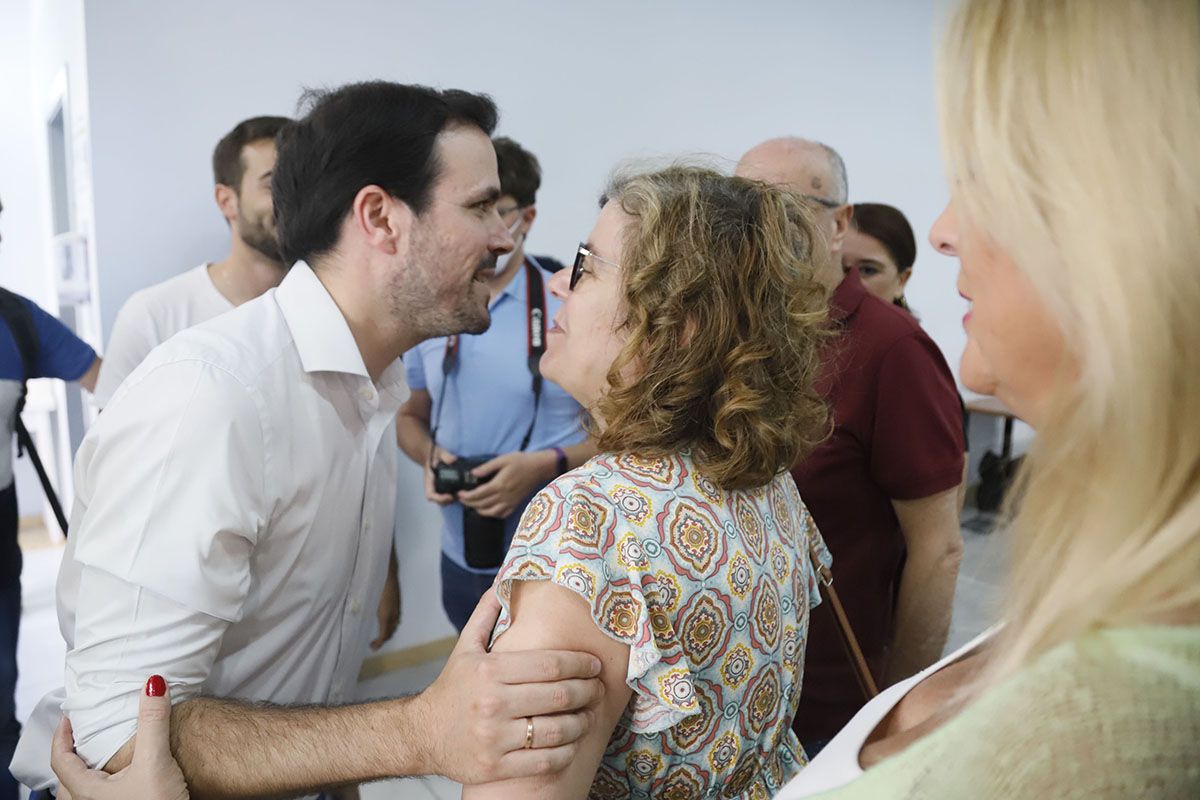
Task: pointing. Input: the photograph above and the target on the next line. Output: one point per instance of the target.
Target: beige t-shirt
(152, 316)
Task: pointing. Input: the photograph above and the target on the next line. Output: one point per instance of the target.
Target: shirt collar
(320, 331)
(847, 297)
(516, 288)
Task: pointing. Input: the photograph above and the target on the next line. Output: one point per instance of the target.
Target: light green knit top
(1113, 714)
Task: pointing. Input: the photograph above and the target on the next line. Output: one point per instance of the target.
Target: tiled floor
(41, 650)
(429, 788)
(977, 597)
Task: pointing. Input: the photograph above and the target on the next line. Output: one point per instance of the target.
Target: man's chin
(266, 248)
(478, 323)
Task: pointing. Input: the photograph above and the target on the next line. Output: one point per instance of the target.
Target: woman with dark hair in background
(881, 244)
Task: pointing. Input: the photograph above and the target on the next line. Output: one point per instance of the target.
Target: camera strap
(535, 336)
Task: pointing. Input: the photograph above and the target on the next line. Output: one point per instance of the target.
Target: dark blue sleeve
(61, 354)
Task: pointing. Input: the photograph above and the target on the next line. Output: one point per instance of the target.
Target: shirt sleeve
(125, 633)
(574, 535)
(172, 497)
(61, 354)
(414, 370)
(917, 442)
(173, 487)
(133, 337)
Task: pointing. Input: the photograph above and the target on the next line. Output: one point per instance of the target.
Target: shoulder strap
(858, 661)
(20, 324)
(535, 312)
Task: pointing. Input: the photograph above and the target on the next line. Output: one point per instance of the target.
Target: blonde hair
(1070, 134)
(725, 320)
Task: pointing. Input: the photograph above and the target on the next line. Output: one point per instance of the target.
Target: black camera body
(483, 537)
(457, 477)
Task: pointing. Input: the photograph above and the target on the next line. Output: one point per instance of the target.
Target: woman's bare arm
(545, 614)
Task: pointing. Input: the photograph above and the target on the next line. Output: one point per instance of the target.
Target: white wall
(582, 85)
(22, 259)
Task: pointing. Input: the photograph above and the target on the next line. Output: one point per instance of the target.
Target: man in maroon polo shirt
(883, 489)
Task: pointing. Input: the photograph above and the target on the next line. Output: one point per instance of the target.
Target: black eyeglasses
(577, 267)
(821, 201)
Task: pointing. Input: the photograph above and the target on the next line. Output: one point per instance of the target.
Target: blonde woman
(680, 555)
(1070, 132)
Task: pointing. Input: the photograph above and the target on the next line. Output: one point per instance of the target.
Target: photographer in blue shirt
(486, 427)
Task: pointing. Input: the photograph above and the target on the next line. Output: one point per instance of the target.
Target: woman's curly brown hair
(725, 320)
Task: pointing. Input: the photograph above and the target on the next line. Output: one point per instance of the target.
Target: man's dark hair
(375, 133)
(520, 172)
(228, 166)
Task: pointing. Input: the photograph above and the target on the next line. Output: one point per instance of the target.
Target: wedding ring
(528, 733)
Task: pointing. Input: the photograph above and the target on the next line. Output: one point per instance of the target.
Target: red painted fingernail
(156, 686)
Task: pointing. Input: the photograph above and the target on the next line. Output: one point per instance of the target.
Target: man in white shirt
(243, 163)
(227, 528)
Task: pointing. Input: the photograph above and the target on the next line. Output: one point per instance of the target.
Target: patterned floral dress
(711, 590)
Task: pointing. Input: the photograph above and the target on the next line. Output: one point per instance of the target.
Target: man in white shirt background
(235, 499)
(243, 162)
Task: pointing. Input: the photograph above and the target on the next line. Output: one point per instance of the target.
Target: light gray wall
(22, 262)
(584, 86)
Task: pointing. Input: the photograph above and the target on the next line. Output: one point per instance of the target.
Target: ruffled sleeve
(575, 535)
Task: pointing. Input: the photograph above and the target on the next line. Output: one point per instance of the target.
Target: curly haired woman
(681, 554)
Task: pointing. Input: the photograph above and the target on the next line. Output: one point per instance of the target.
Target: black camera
(457, 477)
(483, 537)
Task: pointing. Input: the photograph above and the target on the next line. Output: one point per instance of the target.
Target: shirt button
(355, 606)
(367, 525)
(366, 393)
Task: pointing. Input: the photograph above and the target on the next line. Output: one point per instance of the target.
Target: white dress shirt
(152, 316)
(232, 524)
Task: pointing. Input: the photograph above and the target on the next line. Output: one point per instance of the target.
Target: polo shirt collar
(847, 297)
(320, 331)
(516, 288)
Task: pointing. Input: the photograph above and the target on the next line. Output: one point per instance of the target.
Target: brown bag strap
(849, 641)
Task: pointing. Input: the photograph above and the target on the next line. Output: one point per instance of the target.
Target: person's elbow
(91, 376)
(939, 552)
(950, 557)
(931, 530)
(103, 717)
(103, 735)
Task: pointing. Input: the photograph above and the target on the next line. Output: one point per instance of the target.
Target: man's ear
(383, 221)
(227, 201)
(528, 215)
(841, 217)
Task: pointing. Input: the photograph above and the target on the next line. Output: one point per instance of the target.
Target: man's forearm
(228, 749)
(923, 611)
(412, 435)
(578, 454)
